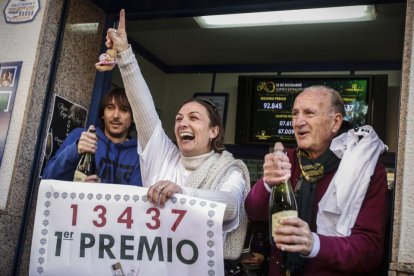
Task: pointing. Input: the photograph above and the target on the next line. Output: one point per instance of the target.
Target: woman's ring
(161, 187)
(116, 33)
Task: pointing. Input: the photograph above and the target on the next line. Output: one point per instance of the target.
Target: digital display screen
(273, 98)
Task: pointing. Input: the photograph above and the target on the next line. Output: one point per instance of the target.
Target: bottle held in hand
(86, 165)
(282, 201)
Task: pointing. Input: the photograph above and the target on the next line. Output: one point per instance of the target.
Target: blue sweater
(115, 163)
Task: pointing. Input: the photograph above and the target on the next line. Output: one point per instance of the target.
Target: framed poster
(220, 101)
(9, 78)
(66, 117)
(5, 97)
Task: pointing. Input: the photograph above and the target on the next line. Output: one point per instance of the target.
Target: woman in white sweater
(198, 166)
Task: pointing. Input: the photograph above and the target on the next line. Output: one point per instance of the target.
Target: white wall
(20, 42)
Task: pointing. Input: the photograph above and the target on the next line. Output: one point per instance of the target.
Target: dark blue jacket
(115, 163)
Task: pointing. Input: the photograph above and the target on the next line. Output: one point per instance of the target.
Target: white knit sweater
(177, 168)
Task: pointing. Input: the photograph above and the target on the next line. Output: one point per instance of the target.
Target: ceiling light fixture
(288, 17)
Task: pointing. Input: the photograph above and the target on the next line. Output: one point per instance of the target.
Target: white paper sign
(106, 229)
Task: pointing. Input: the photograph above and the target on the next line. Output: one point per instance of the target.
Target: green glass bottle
(282, 203)
(86, 165)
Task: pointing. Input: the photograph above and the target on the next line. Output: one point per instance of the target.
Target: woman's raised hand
(117, 38)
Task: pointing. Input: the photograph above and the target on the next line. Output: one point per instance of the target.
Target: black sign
(272, 100)
(66, 117)
(9, 78)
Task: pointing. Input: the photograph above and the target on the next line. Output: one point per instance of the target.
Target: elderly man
(341, 191)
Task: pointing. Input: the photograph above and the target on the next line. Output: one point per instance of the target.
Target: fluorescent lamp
(306, 16)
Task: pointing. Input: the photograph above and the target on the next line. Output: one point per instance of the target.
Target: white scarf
(211, 174)
(359, 150)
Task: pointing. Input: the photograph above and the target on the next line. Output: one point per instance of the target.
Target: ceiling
(164, 32)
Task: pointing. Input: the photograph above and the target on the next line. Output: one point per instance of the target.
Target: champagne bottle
(282, 202)
(117, 269)
(86, 165)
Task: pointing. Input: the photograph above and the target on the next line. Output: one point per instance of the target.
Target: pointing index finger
(121, 26)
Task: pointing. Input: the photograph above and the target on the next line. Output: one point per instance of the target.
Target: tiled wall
(403, 227)
(74, 80)
(18, 44)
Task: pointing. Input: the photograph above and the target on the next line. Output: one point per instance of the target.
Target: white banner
(106, 229)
